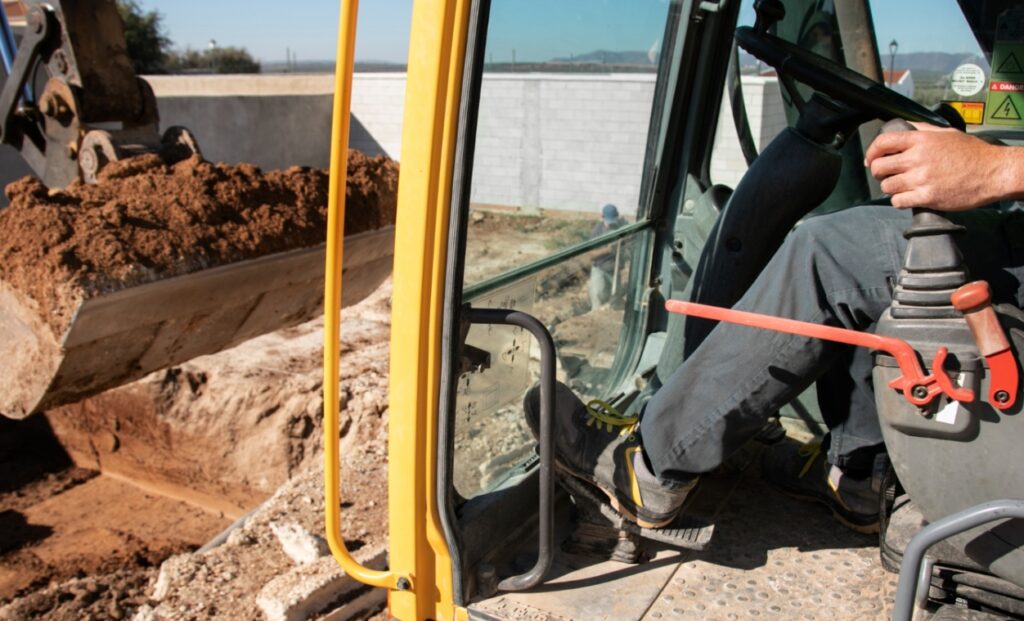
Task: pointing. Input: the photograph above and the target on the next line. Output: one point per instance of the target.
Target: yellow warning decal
(972, 112)
(1005, 104)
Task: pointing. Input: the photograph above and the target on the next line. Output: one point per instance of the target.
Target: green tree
(216, 60)
(148, 46)
(233, 60)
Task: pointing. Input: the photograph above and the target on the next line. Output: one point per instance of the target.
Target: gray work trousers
(838, 269)
(600, 287)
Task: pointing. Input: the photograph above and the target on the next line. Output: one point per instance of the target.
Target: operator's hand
(944, 169)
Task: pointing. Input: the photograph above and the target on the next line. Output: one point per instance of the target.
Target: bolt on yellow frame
(420, 574)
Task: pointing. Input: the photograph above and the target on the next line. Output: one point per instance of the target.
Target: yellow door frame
(429, 131)
(420, 574)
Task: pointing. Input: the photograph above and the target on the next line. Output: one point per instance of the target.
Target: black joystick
(768, 13)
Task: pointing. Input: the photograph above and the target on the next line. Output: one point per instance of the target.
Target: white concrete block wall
(500, 145)
(378, 100)
(276, 121)
(558, 141)
(767, 116)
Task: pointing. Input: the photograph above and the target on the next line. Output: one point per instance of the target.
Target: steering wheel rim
(834, 80)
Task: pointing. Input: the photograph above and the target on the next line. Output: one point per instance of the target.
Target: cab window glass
(947, 58)
(565, 105)
(564, 109)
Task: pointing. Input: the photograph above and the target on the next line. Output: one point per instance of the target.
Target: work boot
(600, 446)
(802, 471)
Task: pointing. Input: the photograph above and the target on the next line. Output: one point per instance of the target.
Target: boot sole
(864, 529)
(615, 503)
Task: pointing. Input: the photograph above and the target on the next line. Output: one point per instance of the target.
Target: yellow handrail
(332, 300)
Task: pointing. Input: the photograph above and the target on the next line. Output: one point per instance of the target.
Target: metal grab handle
(915, 573)
(332, 304)
(545, 544)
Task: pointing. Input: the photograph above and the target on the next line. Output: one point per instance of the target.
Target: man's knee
(844, 242)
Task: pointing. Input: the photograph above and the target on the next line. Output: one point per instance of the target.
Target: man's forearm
(946, 169)
(1011, 177)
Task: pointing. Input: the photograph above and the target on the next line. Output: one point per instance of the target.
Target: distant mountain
(940, 63)
(607, 57)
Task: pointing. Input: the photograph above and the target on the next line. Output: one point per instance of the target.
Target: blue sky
(528, 26)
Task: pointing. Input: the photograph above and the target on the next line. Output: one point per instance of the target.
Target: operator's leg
(836, 270)
(847, 402)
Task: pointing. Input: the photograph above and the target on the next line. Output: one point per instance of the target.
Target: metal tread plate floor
(772, 557)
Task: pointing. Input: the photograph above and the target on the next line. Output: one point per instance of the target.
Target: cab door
(580, 123)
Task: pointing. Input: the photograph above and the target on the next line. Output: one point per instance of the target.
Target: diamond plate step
(778, 558)
(686, 533)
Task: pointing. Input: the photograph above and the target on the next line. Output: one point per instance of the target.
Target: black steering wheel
(842, 84)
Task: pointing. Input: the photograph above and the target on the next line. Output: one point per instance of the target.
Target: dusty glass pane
(500, 240)
(582, 302)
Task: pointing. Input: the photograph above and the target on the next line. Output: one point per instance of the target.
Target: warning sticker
(1005, 105)
(1010, 62)
(1006, 110)
(1006, 89)
(973, 112)
(967, 80)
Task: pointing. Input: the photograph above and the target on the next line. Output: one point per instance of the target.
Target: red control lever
(974, 300)
(917, 387)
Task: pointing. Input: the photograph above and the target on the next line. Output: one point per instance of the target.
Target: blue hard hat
(609, 213)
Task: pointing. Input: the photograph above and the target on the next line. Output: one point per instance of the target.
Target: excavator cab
(733, 123)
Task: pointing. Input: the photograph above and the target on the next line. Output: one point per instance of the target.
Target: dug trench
(97, 496)
(196, 493)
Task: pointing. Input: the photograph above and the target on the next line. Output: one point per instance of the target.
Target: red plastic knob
(971, 296)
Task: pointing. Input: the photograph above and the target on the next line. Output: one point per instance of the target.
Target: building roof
(896, 77)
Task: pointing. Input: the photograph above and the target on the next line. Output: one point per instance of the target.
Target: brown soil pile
(147, 220)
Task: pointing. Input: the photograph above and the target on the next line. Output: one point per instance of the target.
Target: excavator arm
(71, 101)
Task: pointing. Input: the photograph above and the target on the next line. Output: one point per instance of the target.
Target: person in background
(604, 271)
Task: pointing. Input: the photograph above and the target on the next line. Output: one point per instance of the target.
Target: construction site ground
(196, 493)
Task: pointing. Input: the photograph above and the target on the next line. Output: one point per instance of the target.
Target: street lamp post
(893, 46)
(213, 55)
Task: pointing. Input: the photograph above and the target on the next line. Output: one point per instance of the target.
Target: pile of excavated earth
(195, 492)
(146, 220)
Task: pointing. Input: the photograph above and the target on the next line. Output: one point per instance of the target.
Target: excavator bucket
(131, 253)
(121, 336)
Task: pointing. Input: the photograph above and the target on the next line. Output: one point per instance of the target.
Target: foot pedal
(601, 531)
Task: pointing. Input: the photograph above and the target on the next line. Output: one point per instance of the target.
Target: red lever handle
(974, 300)
(917, 387)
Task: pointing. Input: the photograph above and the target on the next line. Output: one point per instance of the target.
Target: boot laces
(811, 450)
(606, 417)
